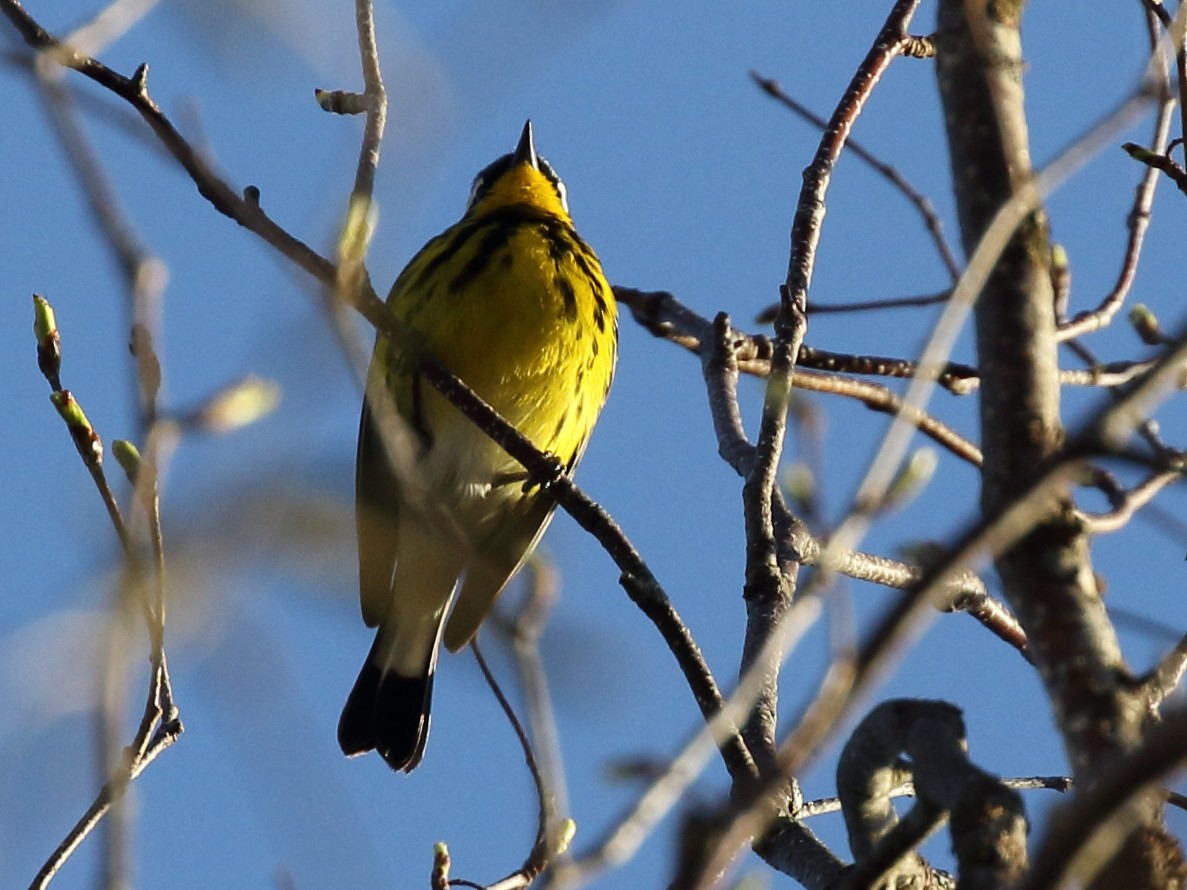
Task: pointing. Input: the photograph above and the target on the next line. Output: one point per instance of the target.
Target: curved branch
(244, 209)
(988, 820)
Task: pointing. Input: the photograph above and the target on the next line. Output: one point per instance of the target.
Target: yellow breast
(515, 304)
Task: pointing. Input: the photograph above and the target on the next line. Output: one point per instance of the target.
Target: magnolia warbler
(513, 302)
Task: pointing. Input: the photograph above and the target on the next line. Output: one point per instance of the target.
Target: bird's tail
(388, 708)
(388, 712)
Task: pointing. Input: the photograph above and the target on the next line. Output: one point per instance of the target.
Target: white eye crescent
(478, 185)
(557, 182)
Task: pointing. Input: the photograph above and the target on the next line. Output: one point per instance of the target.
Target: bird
(514, 303)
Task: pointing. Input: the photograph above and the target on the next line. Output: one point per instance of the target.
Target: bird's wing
(499, 557)
(376, 513)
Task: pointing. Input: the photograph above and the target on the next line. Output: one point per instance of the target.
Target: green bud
(238, 405)
(912, 479)
(1138, 153)
(70, 410)
(1145, 323)
(44, 322)
(565, 832)
(128, 457)
(799, 483)
(49, 341)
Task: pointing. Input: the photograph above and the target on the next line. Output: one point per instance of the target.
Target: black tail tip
(356, 726)
(401, 720)
(389, 714)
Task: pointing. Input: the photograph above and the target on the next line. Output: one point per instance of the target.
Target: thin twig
(790, 325)
(111, 792)
(664, 316)
(159, 725)
(965, 591)
(537, 858)
(1156, 10)
(825, 805)
(886, 401)
(376, 99)
(955, 377)
(815, 308)
(931, 219)
(525, 628)
(1138, 220)
(636, 579)
(772, 556)
(144, 277)
(243, 209)
(1130, 502)
(770, 579)
(992, 534)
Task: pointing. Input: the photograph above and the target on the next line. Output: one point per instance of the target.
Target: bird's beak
(525, 152)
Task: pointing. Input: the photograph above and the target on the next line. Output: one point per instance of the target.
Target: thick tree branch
(1101, 433)
(1083, 832)
(1047, 574)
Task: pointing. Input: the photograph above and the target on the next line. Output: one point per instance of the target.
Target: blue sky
(683, 176)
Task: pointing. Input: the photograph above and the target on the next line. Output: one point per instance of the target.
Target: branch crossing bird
(515, 304)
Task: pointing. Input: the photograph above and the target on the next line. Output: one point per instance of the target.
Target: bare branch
(243, 209)
(993, 534)
(1083, 834)
(791, 320)
(1128, 504)
(523, 629)
(375, 99)
(815, 308)
(1138, 220)
(663, 315)
(537, 858)
(931, 219)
